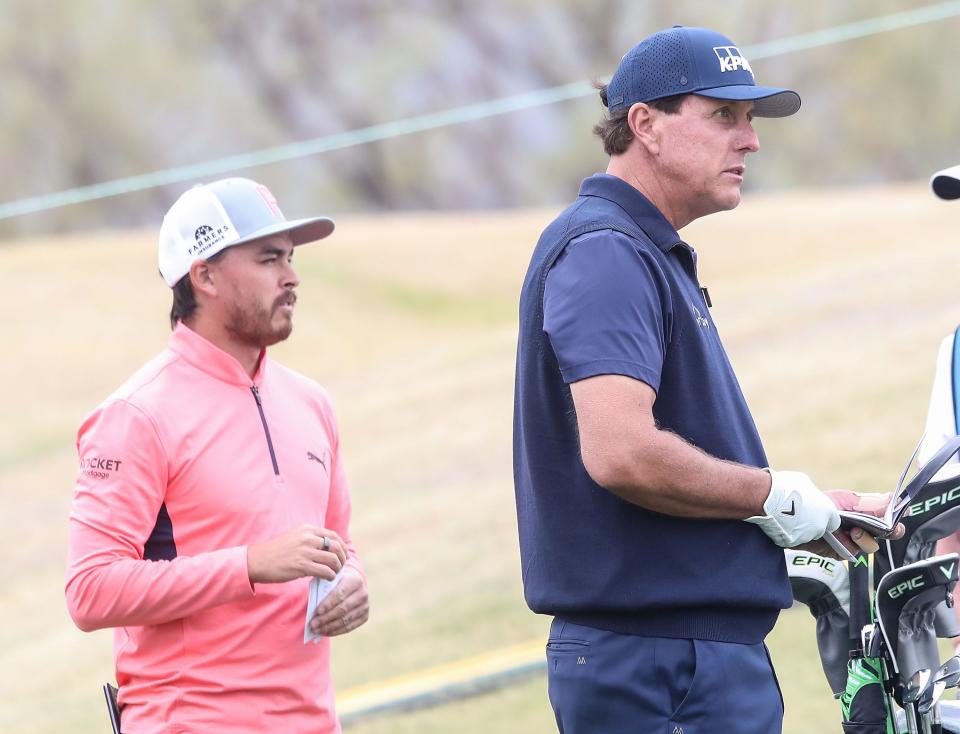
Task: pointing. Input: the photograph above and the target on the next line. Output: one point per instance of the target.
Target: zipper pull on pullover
(266, 430)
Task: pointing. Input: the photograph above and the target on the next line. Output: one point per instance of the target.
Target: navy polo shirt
(612, 289)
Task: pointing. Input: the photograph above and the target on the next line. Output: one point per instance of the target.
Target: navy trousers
(606, 683)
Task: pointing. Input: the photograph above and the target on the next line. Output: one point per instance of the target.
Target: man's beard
(252, 324)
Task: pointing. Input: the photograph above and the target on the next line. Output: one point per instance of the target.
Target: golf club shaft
(910, 714)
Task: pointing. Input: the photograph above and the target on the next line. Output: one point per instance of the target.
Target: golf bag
(892, 671)
(880, 656)
(824, 586)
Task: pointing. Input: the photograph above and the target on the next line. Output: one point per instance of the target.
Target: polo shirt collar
(209, 358)
(636, 205)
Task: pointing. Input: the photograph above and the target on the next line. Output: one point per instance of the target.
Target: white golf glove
(796, 511)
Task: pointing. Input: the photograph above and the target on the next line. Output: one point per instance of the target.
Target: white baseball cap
(946, 183)
(211, 217)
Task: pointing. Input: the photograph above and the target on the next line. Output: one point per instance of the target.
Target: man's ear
(641, 118)
(203, 278)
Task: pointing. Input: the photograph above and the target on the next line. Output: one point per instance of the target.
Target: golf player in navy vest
(651, 527)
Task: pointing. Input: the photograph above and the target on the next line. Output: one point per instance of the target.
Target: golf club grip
(859, 603)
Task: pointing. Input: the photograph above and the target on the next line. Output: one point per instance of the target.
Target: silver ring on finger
(326, 543)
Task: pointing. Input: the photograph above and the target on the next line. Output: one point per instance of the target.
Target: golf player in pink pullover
(211, 490)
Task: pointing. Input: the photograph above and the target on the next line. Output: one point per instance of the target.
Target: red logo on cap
(270, 199)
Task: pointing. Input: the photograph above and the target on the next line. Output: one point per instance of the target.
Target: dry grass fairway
(831, 304)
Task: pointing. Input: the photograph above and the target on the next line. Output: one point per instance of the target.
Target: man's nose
(290, 277)
(749, 142)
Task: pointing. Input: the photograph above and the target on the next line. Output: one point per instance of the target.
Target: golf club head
(871, 641)
(905, 603)
(930, 697)
(949, 715)
(915, 685)
(823, 584)
(949, 672)
(947, 676)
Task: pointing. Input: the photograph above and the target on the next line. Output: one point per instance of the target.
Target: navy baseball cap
(683, 60)
(946, 183)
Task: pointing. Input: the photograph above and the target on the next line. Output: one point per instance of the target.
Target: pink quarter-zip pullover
(180, 470)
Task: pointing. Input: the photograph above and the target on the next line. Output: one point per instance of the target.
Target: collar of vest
(209, 358)
(636, 205)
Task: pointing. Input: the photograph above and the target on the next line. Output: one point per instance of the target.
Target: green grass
(831, 306)
(520, 708)
(526, 708)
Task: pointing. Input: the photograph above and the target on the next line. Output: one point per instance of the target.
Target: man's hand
(795, 511)
(303, 551)
(856, 540)
(345, 609)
